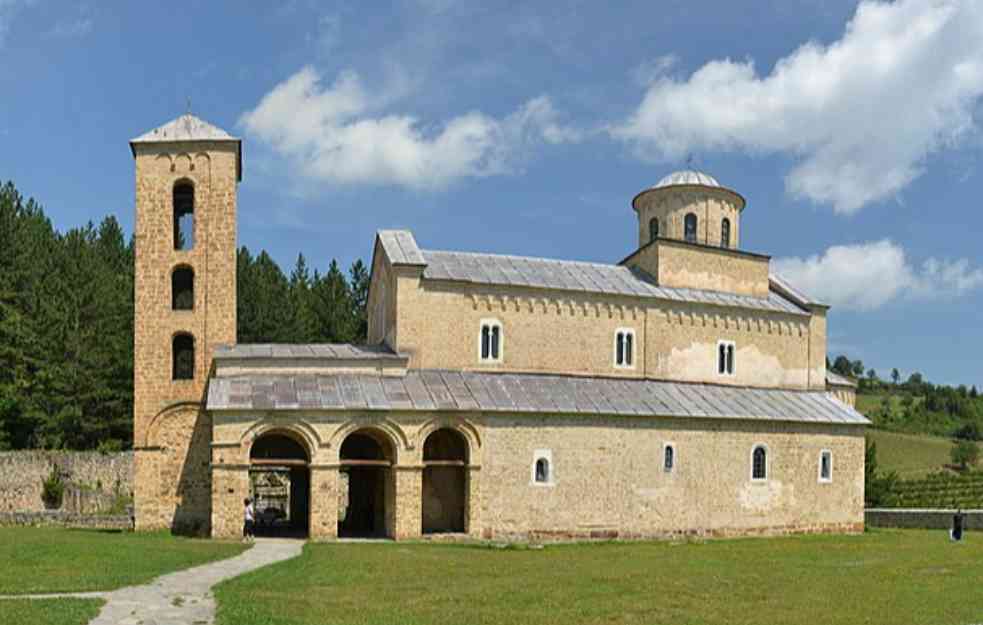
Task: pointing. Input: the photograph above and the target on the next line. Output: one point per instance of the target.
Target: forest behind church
(66, 324)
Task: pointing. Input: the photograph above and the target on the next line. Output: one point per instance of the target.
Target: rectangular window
(826, 466)
(624, 348)
(490, 341)
(725, 358)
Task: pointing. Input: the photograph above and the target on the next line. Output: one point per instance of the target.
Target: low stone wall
(920, 519)
(65, 519)
(94, 481)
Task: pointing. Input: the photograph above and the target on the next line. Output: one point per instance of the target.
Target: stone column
(230, 486)
(472, 506)
(409, 501)
(324, 502)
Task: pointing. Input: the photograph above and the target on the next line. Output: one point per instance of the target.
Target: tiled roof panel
(568, 275)
(441, 390)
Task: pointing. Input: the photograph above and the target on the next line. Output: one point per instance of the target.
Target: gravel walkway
(185, 597)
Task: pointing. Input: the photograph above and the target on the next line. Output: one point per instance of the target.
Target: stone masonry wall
(92, 479)
(574, 333)
(608, 478)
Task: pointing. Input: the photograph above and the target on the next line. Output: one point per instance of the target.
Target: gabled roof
(400, 247)
(188, 127)
(456, 391)
(781, 285)
(567, 275)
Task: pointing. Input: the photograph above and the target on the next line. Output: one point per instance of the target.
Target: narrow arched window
(184, 216)
(690, 228)
(654, 229)
(669, 458)
(490, 341)
(542, 471)
(759, 463)
(183, 357)
(725, 233)
(183, 289)
(624, 348)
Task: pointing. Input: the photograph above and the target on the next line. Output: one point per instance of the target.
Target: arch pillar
(230, 485)
(324, 502)
(409, 502)
(472, 507)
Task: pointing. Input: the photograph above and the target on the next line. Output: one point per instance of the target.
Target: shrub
(53, 489)
(965, 454)
(969, 432)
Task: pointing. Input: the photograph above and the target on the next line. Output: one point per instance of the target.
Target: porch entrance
(366, 507)
(280, 485)
(445, 482)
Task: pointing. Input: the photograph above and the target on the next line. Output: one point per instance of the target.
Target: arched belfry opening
(366, 486)
(184, 215)
(445, 482)
(280, 484)
(183, 288)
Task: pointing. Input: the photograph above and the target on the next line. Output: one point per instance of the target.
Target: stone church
(680, 391)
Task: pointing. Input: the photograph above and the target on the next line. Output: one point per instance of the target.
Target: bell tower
(187, 173)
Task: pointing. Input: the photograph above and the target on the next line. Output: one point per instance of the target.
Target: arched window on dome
(690, 230)
(654, 229)
(725, 233)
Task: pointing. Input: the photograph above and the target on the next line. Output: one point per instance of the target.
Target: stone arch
(182, 163)
(460, 425)
(149, 438)
(300, 431)
(397, 437)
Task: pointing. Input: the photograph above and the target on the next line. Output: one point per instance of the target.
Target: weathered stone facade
(366, 460)
(93, 480)
(171, 432)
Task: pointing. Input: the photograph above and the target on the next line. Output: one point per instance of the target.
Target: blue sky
(526, 128)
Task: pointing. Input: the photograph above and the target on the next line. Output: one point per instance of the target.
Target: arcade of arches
(368, 483)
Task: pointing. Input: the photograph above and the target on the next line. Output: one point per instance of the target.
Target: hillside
(910, 455)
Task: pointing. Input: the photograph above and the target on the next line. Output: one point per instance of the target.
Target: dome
(687, 176)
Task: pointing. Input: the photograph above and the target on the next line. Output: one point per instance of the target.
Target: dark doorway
(445, 483)
(365, 480)
(280, 486)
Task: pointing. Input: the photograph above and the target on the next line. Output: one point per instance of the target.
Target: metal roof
(457, 391)
(835, 379)
(401, 247)
(687, 176)
(185, 128)
(315, 351)
(189, 128)
(782, 286)
(587, 277)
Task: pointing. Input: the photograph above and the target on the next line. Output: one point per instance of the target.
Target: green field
(49, 612)
(51, 560)
(882, 577)
(911, 455)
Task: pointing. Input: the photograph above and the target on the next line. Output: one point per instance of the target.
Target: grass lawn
(49, 612)
(911, 455)
(885, 576)
(46, 560)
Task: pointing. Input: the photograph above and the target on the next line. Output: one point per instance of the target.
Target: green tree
(895, 376)
(965, 454)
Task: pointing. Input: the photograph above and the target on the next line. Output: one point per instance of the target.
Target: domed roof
(687, 176)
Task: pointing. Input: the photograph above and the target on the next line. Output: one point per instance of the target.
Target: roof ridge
(522, 257)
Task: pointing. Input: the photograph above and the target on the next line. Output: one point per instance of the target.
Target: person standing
(956, 533)
(249, 525)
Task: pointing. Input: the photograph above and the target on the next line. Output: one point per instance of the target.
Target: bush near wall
(939, 490)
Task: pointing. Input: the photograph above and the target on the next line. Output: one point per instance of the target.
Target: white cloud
(867, 276)
(7, 10)
(70, 28)
(860, 116)
(337, 134)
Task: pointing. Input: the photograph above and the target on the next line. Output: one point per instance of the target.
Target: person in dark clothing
(956, 534)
